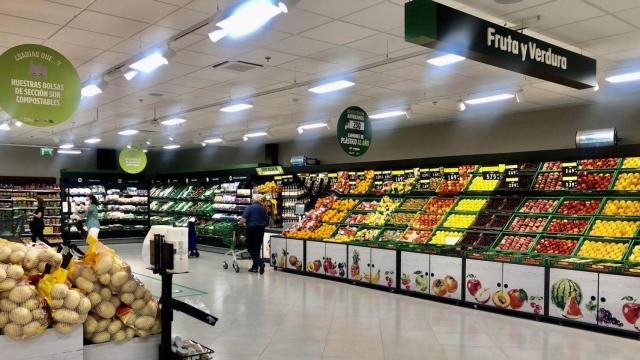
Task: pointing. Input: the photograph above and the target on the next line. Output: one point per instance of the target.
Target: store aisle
(285, 316)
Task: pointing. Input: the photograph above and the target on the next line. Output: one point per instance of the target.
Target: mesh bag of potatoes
(69, 307)
(23, 312)
(10, 274)
(32, 258)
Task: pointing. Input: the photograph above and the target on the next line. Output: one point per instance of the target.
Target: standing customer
(255, 217)
(37, 223)
(93, 221)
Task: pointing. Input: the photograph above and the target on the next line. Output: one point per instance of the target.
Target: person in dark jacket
(37, 223)
(255, 218)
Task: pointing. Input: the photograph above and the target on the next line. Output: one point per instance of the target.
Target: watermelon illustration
(572, 309)
(562, 290)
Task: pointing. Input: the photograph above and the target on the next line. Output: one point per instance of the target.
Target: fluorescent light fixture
(596, 138)
(145, 151)
(171, 147)
(5, 126)
(445, 60)
(128, 132)
(236, 107)
(130, 74)
(170, 138)
(174, 121)
(332, 86)
(302, 128)
(597, 87)
(461, 105)
(520, 96)
(388, 114)
(19, 123)
(213, 141)
(203, 144)
(488, 99)
(93, 140)
(128, 146)
(247, 136)
(148, 142)
(90, 90)
(633, 76)
(248, 18)
(66, 146)
(73, 152)
(149, 63)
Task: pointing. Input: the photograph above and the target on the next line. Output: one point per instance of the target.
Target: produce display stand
(124, 202)
(522, 276)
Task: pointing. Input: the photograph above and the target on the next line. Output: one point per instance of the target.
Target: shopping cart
(237, 248)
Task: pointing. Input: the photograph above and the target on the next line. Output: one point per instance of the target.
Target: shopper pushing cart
(256, 218)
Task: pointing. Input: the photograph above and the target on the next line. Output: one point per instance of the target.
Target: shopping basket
(237, 248)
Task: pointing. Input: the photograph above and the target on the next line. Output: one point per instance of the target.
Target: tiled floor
(285, 316)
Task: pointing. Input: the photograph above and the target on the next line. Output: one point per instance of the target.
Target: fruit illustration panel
(335, 263)
(315, 257)
(446, 276)
(573, 295)
(619, 305)
(295, 254)
(524, 286)
(278, 252)
(383, 267)
(359, 263)
(483, 284)
(414, 272)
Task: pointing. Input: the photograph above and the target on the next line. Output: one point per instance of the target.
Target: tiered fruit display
(549, 245)
(401, 218)
(345, 233)
(579, 207)
(363, 185)
(453, 186)
(608, 163)
(621, 208)
(442, 237)
(341, 185)
(549, 181)
(459, 221)
(439, 205)
(614, 228)
(631, 163)
(635, 254)
(503, 204)
(416, 236)
(552, 166)
(478, 240)
(324, 231)
(344, 204)
(480, 184)
(414, 203)
(426, 221)
(594, 180)
(388, 204)
(366, 234)
(603, 249)
(490, 221)
(391, 235)
(515, 243)
(567, 226)
(367, 205)
(527, 224)
(356, 219)
(628, 182)
(403, 187)
(539, 206)
(470, 204)
(333, 216)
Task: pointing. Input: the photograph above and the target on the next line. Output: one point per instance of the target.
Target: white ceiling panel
(382, 17)
(497, 9)
(155, 34)
(143, 10)
(380, 44)
(338, 32)
(187, 40)
(259, 56)
(224, 48)
(183, 19)
(345, 56)
(111, 57)
(556, 14)
(214, 75)
(10, 40)
(107, 24)
(298, 21)
(592, 29)
(335, 8)
(614, 5)
(632, 16)
(206, 6)
(26, 27)
(74, 51)
(191, 82)
(196, 59)
(85, 38)
(300, 46)
(311, 66)
(41, 10)
(263, 38)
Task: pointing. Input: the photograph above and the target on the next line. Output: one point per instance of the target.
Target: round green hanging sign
(354, 131)
(38, 85)
(132, 160)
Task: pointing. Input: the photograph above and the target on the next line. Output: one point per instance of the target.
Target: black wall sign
(449, 30)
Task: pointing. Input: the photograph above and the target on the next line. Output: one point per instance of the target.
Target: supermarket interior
(319, 179)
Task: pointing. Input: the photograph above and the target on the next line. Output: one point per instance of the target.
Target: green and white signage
(354, 131)
(132, 160)
(38, 85)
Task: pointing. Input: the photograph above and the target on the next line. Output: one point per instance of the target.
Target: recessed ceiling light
(130, 74)
(90, 90)
(213, 141)
(5, 126)
(633, 76)
(149, 63)
(445, 60)
(236, 107)
(148, 142)
(71, 152)
(171, 147)
(145, 151)
(302, 128)
(488, 99)
(247, 18)
(461, 105)
(66, 146)
(388, 114)
(246, 137)
(174, 121)
(19, 123)
(332, 86)
(93, 140)
(128, 132)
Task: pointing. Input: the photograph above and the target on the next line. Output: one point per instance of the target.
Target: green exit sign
(46, 152)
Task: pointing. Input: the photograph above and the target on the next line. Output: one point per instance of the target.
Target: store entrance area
(286, 316)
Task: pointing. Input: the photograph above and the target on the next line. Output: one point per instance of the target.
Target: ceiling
(316, 40)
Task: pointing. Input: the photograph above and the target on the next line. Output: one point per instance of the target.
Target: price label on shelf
(378, 176)
(410, 174)
(451, 174)
(353, 176)
(435, 172)
(513, 182)
(569, 168)
(424, 185)
(490, 172)
(377, 186)
(386, 176)
(398, 175)
(425, 174)
(361, 176)
(512, 170)
(569, 182)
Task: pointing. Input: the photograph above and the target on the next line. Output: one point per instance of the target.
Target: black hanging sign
(440, 27)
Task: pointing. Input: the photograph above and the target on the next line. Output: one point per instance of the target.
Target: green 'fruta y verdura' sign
(38, 85)
(354, 131)
(132, 161)
(449, 30)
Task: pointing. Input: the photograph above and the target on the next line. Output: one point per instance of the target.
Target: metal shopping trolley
(237, 247)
